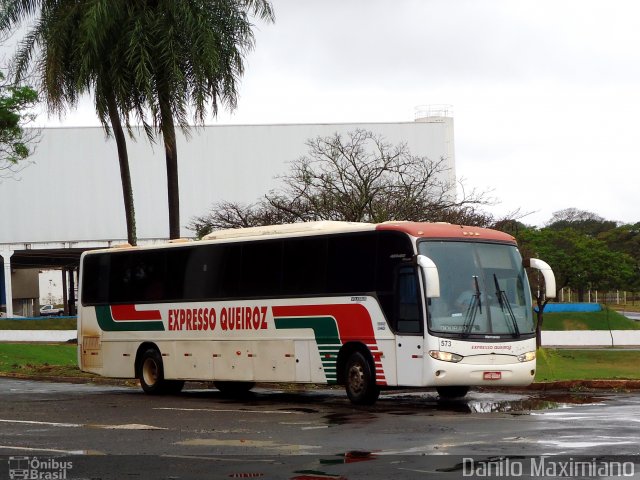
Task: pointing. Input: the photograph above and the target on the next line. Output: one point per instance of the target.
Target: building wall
(25, 290)
(72, 191)
(25, 283)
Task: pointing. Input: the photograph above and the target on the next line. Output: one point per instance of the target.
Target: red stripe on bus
(354, 321)
(354, 324)
(126, 313)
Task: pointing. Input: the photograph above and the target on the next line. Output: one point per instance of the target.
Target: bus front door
(409, 328)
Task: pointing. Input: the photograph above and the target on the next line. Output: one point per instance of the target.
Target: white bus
(367, 306)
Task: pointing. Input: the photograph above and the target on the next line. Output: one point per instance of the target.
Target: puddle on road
(525, 405)
(430, 405)
(477, 402)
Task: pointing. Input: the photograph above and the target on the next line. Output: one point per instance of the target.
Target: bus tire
(234, 388)
(151, 373)
(360, 381)
(452, 392)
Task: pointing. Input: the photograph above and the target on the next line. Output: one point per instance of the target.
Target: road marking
(48, 424)
(52, 450)
(130, 426)
(288, 412)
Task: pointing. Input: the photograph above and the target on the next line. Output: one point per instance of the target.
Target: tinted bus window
(334, 265)
(351, 263)
(408, 318)
(198, 274)
(261, 269)
(137, 277)
(225, 270)
(394, 249)
(95, 285)
(304, 266)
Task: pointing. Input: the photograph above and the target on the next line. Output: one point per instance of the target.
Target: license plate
(492, 375)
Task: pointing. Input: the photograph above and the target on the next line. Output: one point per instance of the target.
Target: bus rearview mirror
(547, 273)
(431, 277)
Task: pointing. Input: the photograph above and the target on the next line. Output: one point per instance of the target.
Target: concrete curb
(591, 338)
(38, 336)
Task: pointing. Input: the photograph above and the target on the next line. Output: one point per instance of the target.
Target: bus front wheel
(360, 381)
(151, 375)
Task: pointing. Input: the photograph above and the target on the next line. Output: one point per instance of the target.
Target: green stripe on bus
(106, 322)
(326, 334)
(324, 328)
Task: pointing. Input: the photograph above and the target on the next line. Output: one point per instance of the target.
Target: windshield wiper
(505, 305)
(475, 305)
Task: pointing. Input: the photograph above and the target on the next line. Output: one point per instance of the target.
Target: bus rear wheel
(151, 375)
(452, 392)
(360, 381)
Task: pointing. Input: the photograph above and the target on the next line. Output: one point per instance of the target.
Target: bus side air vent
(91, 352)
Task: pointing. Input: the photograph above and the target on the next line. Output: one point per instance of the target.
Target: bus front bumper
(509, 374)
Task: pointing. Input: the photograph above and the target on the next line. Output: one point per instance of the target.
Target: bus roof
(416, 229)
(325, 226)
(446, 230)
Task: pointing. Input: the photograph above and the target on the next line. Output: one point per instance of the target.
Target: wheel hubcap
(150, 372)
(356, 378)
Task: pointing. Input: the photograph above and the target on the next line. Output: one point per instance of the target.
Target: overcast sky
(545, 93)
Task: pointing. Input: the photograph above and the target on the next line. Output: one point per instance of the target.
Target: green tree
(185, 57)
(16, 141)
(581, 221)
(626, 239)
(358, 177)
(579, 261)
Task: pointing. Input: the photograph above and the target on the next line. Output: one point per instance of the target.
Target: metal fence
(613, 297)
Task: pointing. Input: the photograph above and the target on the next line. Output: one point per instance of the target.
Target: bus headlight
(527, 357)
(445, 356)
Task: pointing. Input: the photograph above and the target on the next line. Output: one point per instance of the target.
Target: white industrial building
(70, 197)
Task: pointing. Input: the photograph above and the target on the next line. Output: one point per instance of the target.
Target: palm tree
(65, 68)
(160, 59)
(185, 56)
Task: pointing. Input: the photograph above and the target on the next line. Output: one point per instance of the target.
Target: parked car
(51, 311)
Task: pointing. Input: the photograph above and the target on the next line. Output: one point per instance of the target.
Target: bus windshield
(483, 290)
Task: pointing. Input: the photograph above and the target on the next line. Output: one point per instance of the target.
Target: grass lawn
(44, 324)
(39, 359)
(603, 320)
(561, 364)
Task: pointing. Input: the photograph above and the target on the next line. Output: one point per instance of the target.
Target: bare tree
(359, 178)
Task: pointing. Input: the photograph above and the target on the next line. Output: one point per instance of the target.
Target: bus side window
(394, 249)
(408, 318)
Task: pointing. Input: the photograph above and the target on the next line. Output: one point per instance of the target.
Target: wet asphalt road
(118, 432)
